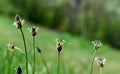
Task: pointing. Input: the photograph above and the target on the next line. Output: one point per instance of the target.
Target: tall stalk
(43, 59)
(97, 44)
(34, 54)
(10, 62)
(100, 61)
(59, 48)
(100, 70)
(26, 56)
(58, 69)
(33, 32)
(45, 63)
(91, 69)
(4, 61)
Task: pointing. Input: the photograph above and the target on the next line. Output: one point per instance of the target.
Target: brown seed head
(33, 31)
(17, 18)
(18, 23)
(97, 44)
(38, 49)
(10, 46)
(100, 64)
(59, 47)
(19, 70)
(100, 61)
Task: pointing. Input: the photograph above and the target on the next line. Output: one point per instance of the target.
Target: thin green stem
(92, 62)
(24, 42)
(45, 63)
(34, 54)
(6, 57)
(100, 70)
(63, 64)
(58, 70)
(10, 62)
(20, 50)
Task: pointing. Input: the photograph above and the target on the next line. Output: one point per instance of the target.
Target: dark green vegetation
(76, 53)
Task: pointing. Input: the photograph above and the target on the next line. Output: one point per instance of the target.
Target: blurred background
(90, 19)
(78, 22)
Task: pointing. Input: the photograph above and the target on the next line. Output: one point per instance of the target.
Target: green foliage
(75, 55)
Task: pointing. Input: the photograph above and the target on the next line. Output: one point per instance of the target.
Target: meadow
(75, 56)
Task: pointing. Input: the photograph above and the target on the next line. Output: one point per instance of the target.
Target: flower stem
(6, 57)
(92, 62)
(45, 63)
(25, 50)
(10, 62)
(58, 70)
(100, 70)
(34, 54)
(24, 56)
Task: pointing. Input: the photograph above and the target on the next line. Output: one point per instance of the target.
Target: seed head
(100, 61)
(97, 44)
(33, 30)
(10, 46)
(19, 70)
(59, 45)
(17, 18)
(38, 49)
(18, 23)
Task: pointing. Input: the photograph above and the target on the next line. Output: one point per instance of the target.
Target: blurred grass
(76, 53)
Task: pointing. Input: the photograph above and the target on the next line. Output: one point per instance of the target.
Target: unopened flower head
(18, 22)
(100, 61)
(33, 30)
(59, 44)
(97, 44)
(38, 49)
(19, 70)
(10, 46)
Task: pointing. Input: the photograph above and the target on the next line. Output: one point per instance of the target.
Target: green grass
(76, 54)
